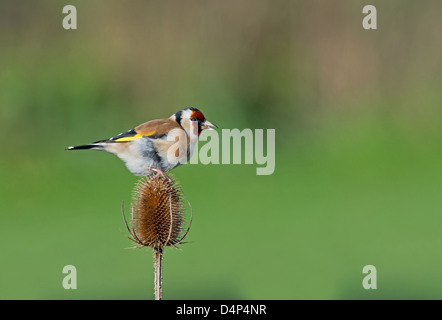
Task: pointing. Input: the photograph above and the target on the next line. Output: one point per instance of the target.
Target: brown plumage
(157, 128)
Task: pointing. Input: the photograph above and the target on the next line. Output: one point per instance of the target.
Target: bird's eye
(194, 119)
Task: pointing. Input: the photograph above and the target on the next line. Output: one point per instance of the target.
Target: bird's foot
(160, 172)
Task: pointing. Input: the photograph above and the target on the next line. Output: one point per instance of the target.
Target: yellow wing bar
(134, 137)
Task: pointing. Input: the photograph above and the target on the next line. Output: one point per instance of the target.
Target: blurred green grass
(305, 232)
(357, 118)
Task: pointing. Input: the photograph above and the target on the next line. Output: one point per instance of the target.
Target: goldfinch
(158, 145)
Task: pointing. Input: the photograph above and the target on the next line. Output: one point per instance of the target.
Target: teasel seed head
(157, 213)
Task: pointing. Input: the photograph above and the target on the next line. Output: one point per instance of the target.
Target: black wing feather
(129, 133)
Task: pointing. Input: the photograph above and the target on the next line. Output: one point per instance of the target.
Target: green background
(358, 172)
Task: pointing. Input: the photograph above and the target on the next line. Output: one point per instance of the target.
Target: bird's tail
(93, 146)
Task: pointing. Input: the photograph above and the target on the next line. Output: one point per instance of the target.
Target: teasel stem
(158, 266)
(157, 217)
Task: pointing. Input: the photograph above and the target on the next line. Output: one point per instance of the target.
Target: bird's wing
(155, 129)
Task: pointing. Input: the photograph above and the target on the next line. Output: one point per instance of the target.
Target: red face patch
(198, 115)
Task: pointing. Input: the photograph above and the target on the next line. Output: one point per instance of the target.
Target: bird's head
(193, 121)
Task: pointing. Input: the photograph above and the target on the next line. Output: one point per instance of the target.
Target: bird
(157, 145)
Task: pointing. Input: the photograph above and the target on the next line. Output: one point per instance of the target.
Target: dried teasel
(157, 218)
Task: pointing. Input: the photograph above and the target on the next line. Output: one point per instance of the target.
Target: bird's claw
(160, 172)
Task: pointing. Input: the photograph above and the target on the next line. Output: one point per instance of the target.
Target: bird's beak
(207, 125)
